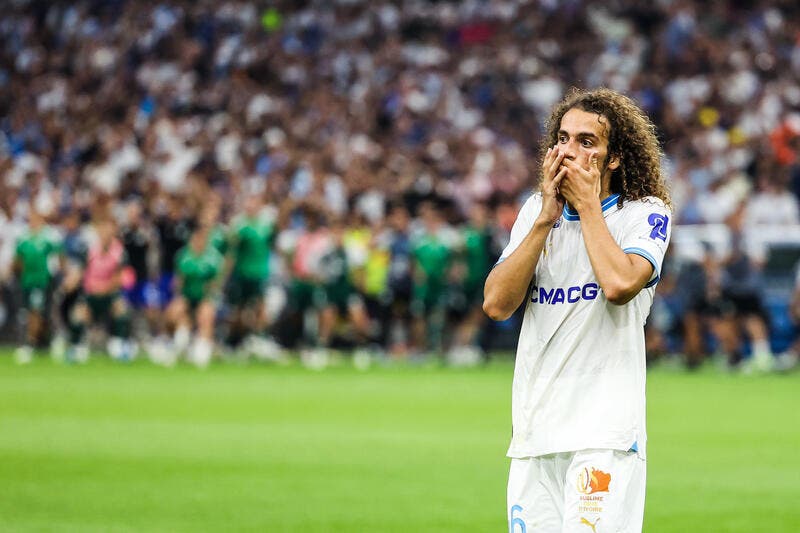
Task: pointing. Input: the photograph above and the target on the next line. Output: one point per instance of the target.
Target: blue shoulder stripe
(647, 255)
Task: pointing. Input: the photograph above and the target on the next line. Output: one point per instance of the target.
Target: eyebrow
(583, 134)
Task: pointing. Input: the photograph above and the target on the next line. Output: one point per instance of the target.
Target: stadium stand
(346, 110)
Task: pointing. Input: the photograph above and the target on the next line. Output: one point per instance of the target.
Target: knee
(205, 314)
(79, 314)
(176, 309)
(119, 308)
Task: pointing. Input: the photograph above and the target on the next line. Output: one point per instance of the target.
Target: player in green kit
(249, 244)
(474, 262)
(35, 249)
(432, 260)
(339, 297)
(197, 269)
(217, 231)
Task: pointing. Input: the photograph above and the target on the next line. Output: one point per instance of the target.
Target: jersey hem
(524, 453)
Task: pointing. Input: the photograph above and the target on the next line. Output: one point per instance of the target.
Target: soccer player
(400, 282)
(304, 293)
(139, 238)
(197, 267)
(474, 261)
(102, 299)
(740, 308)
(174, 228)
(339, 298)
(35, 248)
(76, 250)
(584, 255)
(210, 216)
(250, 244)
(432, 254)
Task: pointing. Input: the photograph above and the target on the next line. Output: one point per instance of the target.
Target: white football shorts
(588, 491)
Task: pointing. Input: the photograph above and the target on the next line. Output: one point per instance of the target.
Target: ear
(613, 162)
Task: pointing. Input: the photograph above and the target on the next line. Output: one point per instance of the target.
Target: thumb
(593, 159)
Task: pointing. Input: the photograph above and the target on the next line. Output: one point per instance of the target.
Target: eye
(586, 143)
(562, 139)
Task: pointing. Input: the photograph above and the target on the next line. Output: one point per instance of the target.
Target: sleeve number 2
(659, 223)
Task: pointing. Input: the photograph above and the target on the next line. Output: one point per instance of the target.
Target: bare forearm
(620, 276)
(508, 282)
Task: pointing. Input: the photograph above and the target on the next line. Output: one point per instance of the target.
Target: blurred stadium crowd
(236, 177)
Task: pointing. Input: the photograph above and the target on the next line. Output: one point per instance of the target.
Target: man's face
(582, 133)
(399, 219)
(134, 212)
(252, 205)
(429, 217)
(71, 222)
(479, 215)
(35, 219)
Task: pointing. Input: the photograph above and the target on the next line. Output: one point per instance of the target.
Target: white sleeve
(647, 233)
(522, 226)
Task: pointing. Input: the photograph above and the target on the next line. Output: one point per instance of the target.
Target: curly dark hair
(631, 137)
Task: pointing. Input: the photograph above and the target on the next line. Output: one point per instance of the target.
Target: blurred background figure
(341, 305)
(36, 250)
(432, 252)
(174, 225)
(250, 243)
(102, 301)
(76, 252)
(475, 258)
(400, 282)
(739, 308)
(140, 240)
(193, 310)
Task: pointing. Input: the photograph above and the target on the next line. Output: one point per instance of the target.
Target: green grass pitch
(111, 447)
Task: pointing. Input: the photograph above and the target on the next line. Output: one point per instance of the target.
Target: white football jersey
(579, 378)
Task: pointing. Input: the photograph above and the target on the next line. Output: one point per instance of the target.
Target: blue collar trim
(608, 203)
